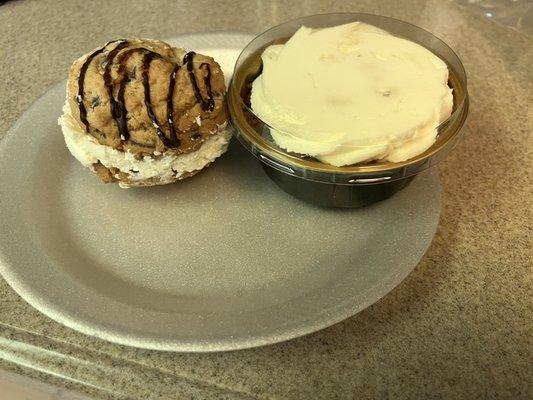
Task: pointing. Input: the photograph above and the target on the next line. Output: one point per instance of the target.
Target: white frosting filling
(167, 168)
(352, 93)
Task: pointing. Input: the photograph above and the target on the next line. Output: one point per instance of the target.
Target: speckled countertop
(460, 326)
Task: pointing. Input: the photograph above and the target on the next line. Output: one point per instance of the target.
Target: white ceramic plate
(224, 260)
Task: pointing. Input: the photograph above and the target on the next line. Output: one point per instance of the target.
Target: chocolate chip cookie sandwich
(141, 112)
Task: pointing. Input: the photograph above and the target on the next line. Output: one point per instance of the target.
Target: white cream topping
(352, 93)
(167, 168)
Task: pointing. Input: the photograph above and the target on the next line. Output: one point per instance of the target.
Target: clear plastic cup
(319, 183)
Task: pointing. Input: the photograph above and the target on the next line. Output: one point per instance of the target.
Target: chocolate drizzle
(208, 105)
(118, 106)
(122, 62)
(81, 82)
(121, 105)
(207, 83)
(173, 142)
(170, 103)
(117, 109)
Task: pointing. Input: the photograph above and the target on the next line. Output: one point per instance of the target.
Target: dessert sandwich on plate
(142, 113)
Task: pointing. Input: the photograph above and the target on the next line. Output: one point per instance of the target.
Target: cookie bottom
(112, 175)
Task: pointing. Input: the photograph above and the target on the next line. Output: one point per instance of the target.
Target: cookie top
(147, 97)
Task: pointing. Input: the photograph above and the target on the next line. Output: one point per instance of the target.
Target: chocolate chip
(96, 101)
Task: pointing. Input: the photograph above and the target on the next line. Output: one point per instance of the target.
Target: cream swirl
(352, 93)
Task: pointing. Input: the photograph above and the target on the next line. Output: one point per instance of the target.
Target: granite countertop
(458, 327)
